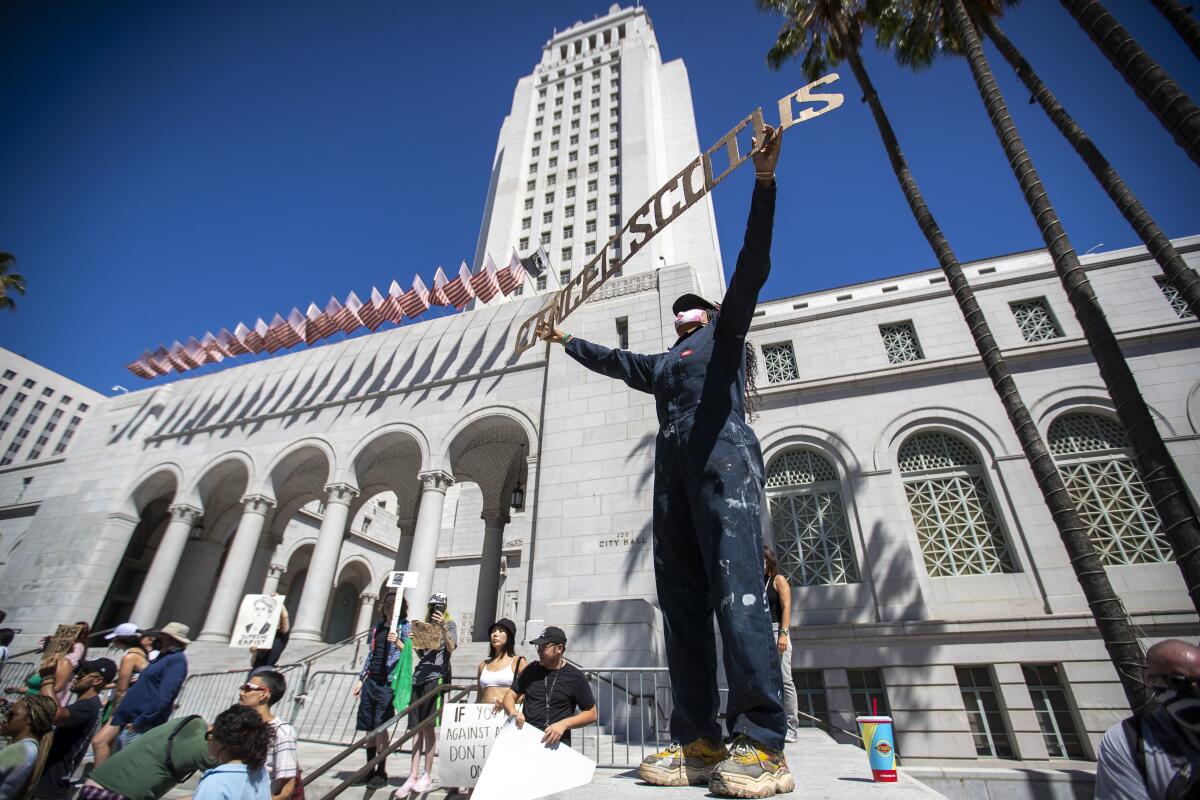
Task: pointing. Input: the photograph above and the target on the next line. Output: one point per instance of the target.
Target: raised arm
(635, 369)
(754, 260)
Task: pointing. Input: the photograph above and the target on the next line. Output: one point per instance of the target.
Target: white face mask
(692, 315)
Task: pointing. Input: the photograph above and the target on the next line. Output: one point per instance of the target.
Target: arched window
(812, 536)
(952, 507)
(1093, 457)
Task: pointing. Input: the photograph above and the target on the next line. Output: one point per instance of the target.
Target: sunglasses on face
(253, 687)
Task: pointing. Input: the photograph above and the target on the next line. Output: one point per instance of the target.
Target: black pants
(374, 705)
(708, 492)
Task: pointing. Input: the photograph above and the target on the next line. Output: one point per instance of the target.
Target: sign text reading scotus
(647, 221)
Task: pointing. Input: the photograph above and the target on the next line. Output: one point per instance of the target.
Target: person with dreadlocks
(30, 727)
(708, 492)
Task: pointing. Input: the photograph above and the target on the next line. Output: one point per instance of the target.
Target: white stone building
(925, 567)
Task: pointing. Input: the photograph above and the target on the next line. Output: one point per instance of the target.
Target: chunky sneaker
(406, 788)
(423, 784)
(682, 766)
(751, 770)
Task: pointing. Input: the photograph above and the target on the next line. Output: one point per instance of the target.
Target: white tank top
(502, 678)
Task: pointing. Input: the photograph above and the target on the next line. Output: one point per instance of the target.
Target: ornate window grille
(781, 362)
(900, 343)
(957, 526)
(1094, 459)
(812, 534)
(1035, 320)
(1174, 298)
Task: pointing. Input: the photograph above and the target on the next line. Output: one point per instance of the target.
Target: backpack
(1186, 782)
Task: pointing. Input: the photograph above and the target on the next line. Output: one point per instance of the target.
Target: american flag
(371, 312)
(392, 311)
(161, 359)
(437, 293)
(232, 344)
(178, 358)
(317, 325)
(248, 338)
(275, 334)
(484, 282)
(141, 368)
(215, 349)
(459, 291)
(511, 277)
(196, 352)
(347, 318)
(416, 300)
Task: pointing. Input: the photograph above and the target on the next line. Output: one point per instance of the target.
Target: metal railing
(210, 693)
(14, 673)
(326, 711)
(633, 706)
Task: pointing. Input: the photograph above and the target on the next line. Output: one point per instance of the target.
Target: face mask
(1184, 707)
(692, 315)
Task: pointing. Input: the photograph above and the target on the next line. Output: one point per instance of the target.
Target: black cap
(508, 625)
(105, 666)
(689, 300)
(550, 635)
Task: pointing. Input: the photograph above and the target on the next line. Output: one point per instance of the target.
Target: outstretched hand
(767, 157)
(546, 332)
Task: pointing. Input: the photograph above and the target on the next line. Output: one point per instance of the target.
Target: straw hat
(177, 631)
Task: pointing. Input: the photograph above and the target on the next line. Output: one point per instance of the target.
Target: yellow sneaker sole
(765, 785)
(674, 776)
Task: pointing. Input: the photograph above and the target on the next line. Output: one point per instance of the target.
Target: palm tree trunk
(1112, 620)
(1154, 461)
(1174, 109)
(1179, 274)
(1182, 21)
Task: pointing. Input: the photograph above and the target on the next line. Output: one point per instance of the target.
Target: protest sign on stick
(60, 643)
(520, 767)
(468, 732)
(257, 621)
(400, 581)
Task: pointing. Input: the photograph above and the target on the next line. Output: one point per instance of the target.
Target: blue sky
(171, 168)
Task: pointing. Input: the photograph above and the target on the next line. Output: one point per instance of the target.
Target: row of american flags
(352, 314)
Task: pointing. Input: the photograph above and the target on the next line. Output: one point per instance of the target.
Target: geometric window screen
(1092, 454)
(900, 343)
(1034, 320)
(1178, 304)
(951, 506)
(781, 363)
(808, 521)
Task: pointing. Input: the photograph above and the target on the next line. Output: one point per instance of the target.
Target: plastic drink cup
(881, 747)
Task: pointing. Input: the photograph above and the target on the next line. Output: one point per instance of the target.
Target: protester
(152, 644)
(6, 639)
(73, 725)
(264, 689)
(153, 765)
(269, 657)
(708, 494)
(374, 685)
(431, 671)
(779, 600)
(71, 660)
(501, 667)
(149, 701)
(29, 727)
(240, 743)
(557, 695)
(127, 637)
(1157, 756)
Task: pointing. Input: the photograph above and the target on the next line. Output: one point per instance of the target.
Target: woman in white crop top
(502, 666)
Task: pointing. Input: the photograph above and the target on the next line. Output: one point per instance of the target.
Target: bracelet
(566, 339)
(764, 174)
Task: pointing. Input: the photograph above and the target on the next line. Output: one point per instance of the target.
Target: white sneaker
(405, 789)
(423, 784)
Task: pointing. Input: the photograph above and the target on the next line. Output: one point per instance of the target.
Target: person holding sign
(708, 494)
(435, 639)
(385, 643)
(557, 695)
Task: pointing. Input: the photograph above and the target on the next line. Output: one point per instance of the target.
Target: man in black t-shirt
(73, 725)
(553, 690)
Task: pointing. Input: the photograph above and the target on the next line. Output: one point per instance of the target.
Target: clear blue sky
(171, 168)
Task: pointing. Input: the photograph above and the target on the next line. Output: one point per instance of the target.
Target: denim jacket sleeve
(635, 369)
(753, 266)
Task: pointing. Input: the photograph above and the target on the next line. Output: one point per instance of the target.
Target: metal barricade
(634, 709)
(14, 673)
(210, 693)
(327, 712)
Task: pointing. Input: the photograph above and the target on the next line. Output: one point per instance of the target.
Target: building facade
(926, 571)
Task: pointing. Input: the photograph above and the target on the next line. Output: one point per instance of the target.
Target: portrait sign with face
(257, 621)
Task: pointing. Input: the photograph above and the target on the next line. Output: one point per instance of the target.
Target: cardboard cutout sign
(468, 732)
(60, 643)
(426, 635)
(520, 767)
(257, 621)
(680, 193)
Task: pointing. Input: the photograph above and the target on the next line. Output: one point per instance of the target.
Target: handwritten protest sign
(468, 732)
(257, 621)
(426, 635)
(520, 767)
(60, 643)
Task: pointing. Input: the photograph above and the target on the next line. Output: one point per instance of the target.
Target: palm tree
(827, 32)
(1154, 461)
(1173, 108)
(1181, 19)
(10, 281)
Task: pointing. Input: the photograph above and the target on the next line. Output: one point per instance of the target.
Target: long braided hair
(752, 397)
(41, 710)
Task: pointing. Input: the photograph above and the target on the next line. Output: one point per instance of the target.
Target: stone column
(488, 584)
(404, 546)
(366, 611)
(310, 614)
(166, 559)
(425, 538)
(274, 573)
(228, 595)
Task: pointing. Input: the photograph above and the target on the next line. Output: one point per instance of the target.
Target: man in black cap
(73, 725)
(708, 493)
(553, 690)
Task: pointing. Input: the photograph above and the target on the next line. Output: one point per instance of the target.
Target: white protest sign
(468, 732)
(400, 581)
(257, 620)
(520, 767)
